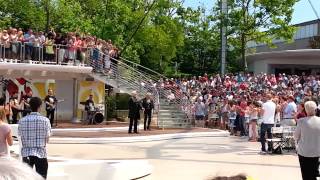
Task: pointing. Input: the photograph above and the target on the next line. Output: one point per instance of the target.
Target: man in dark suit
(148, 106)
(134, 112)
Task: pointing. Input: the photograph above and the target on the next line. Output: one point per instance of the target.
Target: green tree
(22, 13)
(201, 44)
(259, 21)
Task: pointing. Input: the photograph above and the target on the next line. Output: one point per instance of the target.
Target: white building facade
(297, 57)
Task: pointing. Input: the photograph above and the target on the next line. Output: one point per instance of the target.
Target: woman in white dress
(5, 136)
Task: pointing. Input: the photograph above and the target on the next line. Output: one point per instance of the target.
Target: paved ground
(154, 131)
(191, 158)
(105, 124)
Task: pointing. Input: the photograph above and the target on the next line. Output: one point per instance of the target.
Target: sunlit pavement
(191, 158)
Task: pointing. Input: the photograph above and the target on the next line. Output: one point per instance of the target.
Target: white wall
(259, 66)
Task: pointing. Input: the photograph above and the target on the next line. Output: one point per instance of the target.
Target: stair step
(175, 126)
(170, 110)
(171, 113)
(173, 120)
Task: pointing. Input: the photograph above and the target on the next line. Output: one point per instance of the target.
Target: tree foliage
(259, 21)
(169, 34)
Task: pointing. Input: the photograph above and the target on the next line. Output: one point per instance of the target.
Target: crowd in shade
(236, 99)
(52, 46)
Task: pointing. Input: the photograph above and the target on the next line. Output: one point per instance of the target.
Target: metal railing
(132, 76)
(20, 52)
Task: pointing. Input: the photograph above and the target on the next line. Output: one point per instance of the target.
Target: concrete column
(75, 102)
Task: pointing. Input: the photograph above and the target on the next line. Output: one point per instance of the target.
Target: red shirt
(243, 107)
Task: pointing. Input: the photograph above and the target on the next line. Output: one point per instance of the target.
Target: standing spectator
(72, 49)
(134, 112)
(289, 113)
(35, 131)
(5, 40)
(199, 109)
(36, 47)
(5, 135)
(232, 117)
(28, 39)
(20, 41)
(42, 37)
(148, 106)
(49, 48)
(224, 114)
(254, 113)
(242, 119)
(307, 136)
(268, 112)
(61, 48)
(78, 44)
(14, 43)
(301, 112)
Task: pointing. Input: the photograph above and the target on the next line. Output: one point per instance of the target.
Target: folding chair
(277, 139)
(288, 137)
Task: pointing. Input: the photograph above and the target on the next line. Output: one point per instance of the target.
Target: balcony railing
(45, 54)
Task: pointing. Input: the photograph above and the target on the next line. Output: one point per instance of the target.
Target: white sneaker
(263, 152)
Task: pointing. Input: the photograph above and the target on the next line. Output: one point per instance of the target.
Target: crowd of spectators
(235, 100)
(53, 46)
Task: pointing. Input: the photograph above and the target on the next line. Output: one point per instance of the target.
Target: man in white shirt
(268, 112)
(289, 113)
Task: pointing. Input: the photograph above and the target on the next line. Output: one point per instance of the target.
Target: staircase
(126, 76)
(172, 117)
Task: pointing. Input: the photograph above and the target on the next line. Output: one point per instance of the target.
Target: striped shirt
(34, 131)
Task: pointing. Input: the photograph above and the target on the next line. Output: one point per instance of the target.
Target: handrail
(132, 75)
(161, 75)
(23, 51)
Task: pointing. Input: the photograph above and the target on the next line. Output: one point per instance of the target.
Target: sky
(302, 10)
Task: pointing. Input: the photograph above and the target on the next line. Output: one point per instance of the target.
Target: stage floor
(106, 124)
(124, 133)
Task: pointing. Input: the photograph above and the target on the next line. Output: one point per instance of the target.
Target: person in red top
(243, 86)
(242, 109)
(273, 80)
(301, 112)
(228, 83)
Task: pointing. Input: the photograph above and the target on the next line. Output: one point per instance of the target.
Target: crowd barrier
(46, 54)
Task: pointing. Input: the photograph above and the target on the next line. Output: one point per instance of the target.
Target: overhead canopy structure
(43, 71)
(287, 61)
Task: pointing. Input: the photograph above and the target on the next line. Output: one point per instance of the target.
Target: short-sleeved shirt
(4, 131)
(199, 109)
(34, 130)
(290, 110)
(269, 110)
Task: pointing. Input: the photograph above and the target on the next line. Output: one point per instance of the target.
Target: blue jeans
(265, 128)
